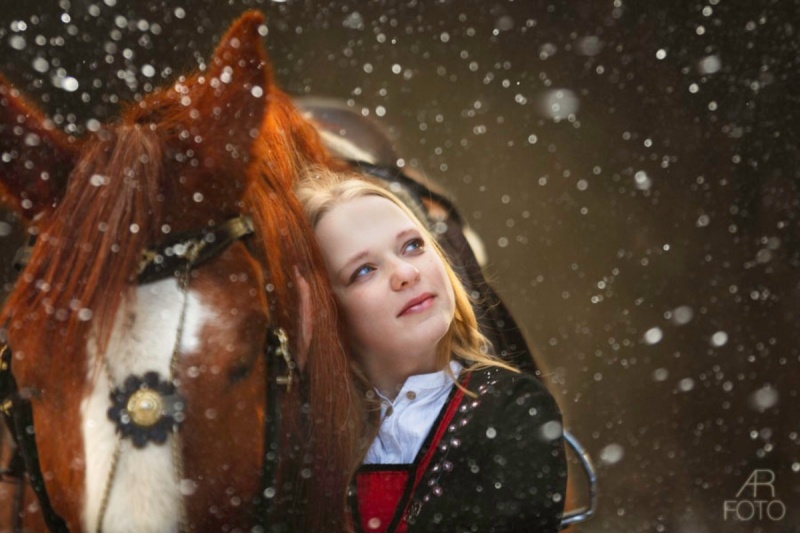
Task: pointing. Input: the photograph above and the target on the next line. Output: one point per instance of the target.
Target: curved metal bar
(584, 513)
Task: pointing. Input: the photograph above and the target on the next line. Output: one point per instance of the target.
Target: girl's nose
(404, 275)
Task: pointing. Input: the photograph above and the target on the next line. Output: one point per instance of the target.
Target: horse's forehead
(158, 309)
(215, 321)
(146, 330)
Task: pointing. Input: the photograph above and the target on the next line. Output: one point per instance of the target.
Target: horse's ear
(35, 157)
(234, 101)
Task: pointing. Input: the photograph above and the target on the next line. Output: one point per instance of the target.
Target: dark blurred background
(631, 166)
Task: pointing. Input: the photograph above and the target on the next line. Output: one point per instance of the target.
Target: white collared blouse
(406, 421)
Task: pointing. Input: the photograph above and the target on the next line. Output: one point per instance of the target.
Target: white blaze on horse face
(145, 494)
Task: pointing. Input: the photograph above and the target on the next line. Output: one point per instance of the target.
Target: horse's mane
(87, 253)
(286, 145)
(120, 198)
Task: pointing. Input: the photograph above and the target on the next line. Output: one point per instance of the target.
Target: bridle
(18, 416)
(176, 257)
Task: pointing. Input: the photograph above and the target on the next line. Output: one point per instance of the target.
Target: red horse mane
(287, 145)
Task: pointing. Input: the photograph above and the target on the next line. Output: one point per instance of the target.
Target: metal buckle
(4, 365)
(283, 350)
(6, 404)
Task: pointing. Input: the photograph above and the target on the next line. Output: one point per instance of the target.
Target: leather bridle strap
(389, 173)
(19, 419)
(173, 255)
(279, 361)
(190, 250)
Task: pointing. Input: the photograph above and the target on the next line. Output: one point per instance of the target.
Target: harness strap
(278, 362)
(173, 256)
(14, 474)
(419, 191)
(18, 416)
(190, 250)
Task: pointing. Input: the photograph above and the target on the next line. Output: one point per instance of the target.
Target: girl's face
(391, 285)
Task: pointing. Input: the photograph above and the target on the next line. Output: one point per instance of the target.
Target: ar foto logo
(755, 499)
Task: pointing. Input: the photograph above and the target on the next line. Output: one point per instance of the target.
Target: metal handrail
(585, 512)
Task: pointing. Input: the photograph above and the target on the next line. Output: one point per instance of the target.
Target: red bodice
(384, 491)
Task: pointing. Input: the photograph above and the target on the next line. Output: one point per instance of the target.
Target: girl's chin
(420, 339)
(423, 340)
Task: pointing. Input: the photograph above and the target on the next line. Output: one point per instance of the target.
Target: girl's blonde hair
(320, 190)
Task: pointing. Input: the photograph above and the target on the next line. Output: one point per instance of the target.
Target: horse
(172, 276)
(170, 259)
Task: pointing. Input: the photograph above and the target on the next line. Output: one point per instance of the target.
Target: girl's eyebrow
(402, 234)
(405, 233)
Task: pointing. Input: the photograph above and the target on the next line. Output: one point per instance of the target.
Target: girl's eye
(361, 271)
(414, 245)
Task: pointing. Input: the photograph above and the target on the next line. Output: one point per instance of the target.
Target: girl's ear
(305, 321)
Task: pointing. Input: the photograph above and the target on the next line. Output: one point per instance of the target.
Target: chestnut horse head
(150, 399)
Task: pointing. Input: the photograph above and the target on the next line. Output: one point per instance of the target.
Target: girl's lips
(418, 304)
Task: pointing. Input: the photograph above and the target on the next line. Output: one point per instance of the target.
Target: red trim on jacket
(382, 491)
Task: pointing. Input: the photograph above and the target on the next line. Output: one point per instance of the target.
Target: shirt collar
(420, 384)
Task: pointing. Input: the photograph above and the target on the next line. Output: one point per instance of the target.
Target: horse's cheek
(225, 394)
(224, 429)
(61, 460)
(55, 408)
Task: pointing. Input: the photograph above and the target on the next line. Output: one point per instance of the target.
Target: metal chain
(112, 471)
(177, 456)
